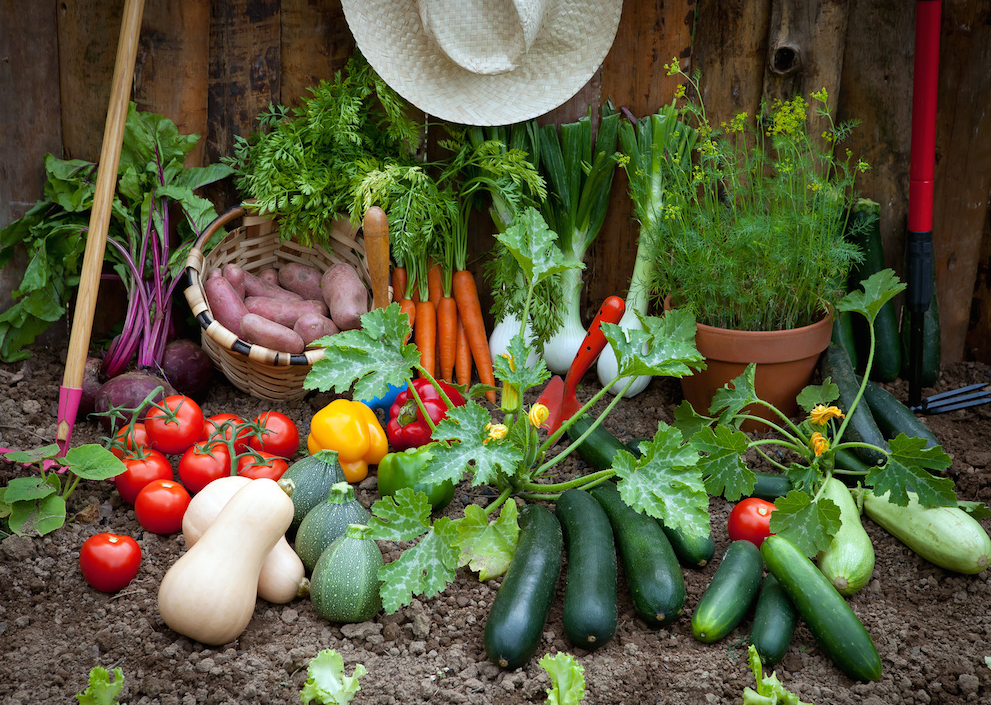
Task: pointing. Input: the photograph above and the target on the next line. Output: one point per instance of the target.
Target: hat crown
(485, 37)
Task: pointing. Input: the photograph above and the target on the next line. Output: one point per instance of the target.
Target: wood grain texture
(316, 42)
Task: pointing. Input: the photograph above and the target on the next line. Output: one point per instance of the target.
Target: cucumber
(931, 341)
(849, 560)
(590, 611)
(865, 230)
(838, 631)
(893, 417)
(692, 551)
(653, 574)
(519, 611)
(774, 622)
(600, 447)
(945, 536)
(770, 486)
(732, 590)
(861, 426)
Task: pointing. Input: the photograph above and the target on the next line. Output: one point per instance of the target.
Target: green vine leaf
(401, 517)
(909, 469)
(425, 569)
(722, 464)
(487, 548)
(807, 524)
(465, 444)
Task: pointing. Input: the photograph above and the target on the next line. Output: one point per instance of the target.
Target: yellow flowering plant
(752, 232)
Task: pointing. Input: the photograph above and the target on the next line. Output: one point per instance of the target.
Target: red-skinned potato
(345, 294)
(313, 326)
(272, 335)
(302, 279)
(281, 311)
(235, 275)
(271, 275)
(227, 307)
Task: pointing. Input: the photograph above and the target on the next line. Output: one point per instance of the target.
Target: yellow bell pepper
(353, 430)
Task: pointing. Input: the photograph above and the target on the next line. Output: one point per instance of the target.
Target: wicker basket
(255, 245)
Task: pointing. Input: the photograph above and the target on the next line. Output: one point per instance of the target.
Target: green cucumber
(692, 551)
(849, 560)
(838, 631)
(770, 486)
(345, 583)
(774, 622)
(732, 590)
(519, 611)
(931, 340)
(600, 447)
(945, 536)
(861, 426)
(653, 574)
(893, 417)
(590, 610)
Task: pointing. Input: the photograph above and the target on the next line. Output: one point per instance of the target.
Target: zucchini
(774, 622)
(519, 611)
(770, 486)
(308, 482)
(692, 551)
(590, 611)
(345, 583)
(945, 536)
(893, 417)
(849, 560)
(866, 232)
(653, 574)
(838, 631)
(732, 590)
(931, 341)
(600, 447)
(861, 426)
(327, 521)
(843, 335)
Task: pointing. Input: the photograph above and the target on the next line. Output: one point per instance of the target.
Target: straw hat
(484, 62)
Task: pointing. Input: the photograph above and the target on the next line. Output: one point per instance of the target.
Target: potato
(302, 279)
(345, 294)
(281, 311)
(227, 307)
(313, 326)
(272, 335)
(235, 275)
(256, 286)
(271, 275)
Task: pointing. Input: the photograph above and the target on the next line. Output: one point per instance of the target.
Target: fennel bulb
(561, 348)
(503, 332)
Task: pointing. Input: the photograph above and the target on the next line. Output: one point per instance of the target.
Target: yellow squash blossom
(820, 414)
(496, 431)
(538, 414)
(819, 443)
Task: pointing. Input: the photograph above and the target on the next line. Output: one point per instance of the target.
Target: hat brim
(574, 38)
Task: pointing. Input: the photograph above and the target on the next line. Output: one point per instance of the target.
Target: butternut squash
(283, 575)
(209, 594)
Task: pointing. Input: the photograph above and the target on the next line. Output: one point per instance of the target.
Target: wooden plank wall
(211, 66)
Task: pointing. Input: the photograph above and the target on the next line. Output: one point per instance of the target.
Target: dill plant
(755, 234)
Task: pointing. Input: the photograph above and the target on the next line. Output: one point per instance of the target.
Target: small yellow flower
(538, 414)
(496, 431)
(819, 443)
(623, 160)
(820, 414)
(679, 92)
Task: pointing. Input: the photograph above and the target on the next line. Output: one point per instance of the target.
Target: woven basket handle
(218, 222)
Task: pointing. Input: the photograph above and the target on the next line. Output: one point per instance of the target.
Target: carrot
(470, 310)
(462, 357)
(447, 335)
(434, 287)
(398, 283)
(409, 308)
(415, 292)
(425, 335)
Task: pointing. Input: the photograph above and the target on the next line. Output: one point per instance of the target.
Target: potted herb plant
(752, 239)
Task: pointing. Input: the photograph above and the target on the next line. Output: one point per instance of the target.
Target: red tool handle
(611, 311)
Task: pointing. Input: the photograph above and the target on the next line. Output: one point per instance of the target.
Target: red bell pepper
(407, 428)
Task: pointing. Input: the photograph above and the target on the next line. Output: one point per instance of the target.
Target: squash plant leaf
(665, 347)
(978, 510)
(535, 248)
(730, 401)
(519, 376)
(27, 489)
(909, 469)
(371, 357)
(37, 518)
(816, 394)
(807, 524)
(878, 289)
(722, 463)
(93, 462)
(465, 443)
(665, 482)
(487, 548)
(689, 421)
(425, 569)
(402, 517)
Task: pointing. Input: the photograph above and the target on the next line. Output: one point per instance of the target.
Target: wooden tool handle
(376, 229)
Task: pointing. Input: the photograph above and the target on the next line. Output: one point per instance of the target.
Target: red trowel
(559, 395)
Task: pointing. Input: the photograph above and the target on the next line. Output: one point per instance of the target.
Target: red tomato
(109, 562)
(279, 435)
(270, 466)
(143, 466)
(202, 464)
(160, 505)
(750, 520)
(227, 426)
(129, 441)
(174, 432)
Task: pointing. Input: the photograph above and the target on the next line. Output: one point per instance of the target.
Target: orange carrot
(425, 336)
(434, 287)
(462, 357)
(409, 308)
(398, 283)
(415, 292)
(447, 335)
(470, 310)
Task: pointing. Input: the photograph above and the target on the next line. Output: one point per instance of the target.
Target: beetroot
(128, 391)
(187, 367)
(91, 384)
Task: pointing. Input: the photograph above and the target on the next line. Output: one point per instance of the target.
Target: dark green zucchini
(843, 335)
(931, 341)
(600, 447)
(653, 574)
(732, 590)
(838, 631)
(774, 622)
(893, 417)
(770, 486)
(590, 611)
(519, 611)
(861, 426)
(692, 551)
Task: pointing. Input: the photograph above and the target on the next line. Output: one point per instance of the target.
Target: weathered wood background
(212, 66)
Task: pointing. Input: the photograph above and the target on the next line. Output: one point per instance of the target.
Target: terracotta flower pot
(786, 361)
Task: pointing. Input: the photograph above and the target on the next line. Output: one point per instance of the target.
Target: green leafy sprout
(567, 679)
(326, 683)
(770, 690)
(102, 689)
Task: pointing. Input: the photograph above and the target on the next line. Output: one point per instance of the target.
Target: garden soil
(931, 627)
